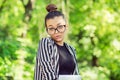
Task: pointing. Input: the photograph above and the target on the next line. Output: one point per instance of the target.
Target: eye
(51, 29)
(60, 26)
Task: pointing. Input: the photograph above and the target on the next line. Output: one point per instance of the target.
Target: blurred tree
(95, 28)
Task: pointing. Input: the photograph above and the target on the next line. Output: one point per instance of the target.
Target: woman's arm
(44, 68)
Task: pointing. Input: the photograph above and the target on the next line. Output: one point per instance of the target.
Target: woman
(55, 57)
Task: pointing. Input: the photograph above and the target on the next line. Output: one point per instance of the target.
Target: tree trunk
(94, 57)
(2, 5)
(27, 16)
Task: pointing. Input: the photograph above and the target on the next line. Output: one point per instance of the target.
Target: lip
(57, 37)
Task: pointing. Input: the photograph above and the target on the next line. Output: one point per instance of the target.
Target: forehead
(55, 21)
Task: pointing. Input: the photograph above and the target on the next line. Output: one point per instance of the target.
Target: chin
(59, 40)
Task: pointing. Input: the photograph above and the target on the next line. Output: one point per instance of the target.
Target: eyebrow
(50, 25)
(57, 24)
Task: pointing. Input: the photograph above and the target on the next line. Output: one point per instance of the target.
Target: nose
(56, 31)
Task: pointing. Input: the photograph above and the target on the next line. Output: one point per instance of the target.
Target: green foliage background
(94, 30)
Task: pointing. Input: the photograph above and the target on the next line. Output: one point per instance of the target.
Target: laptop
(69, 77)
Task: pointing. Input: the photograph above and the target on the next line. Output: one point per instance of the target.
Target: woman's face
(56, 28)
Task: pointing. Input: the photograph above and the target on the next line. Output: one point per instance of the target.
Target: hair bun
(51, 7)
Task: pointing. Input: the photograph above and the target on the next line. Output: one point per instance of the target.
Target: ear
(66, 27)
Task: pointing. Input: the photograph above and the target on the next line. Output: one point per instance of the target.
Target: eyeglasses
(60, 28)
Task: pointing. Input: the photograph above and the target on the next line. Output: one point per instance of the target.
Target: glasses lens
(51, 30)
(61, 28)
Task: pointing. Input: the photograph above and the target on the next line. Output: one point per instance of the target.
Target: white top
(70, 77)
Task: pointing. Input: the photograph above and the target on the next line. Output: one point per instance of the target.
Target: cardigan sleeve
(44, 68)
(76, 71)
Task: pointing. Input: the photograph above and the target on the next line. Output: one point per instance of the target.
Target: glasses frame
(56, 29)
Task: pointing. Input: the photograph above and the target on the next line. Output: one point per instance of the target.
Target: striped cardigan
(47, 65)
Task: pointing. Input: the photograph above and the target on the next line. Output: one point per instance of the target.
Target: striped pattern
(47, 65)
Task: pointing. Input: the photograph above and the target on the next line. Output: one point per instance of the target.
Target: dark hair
(52, 12)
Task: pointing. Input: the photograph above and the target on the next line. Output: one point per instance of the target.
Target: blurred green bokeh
(94, 30)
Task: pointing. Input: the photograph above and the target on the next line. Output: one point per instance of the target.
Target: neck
(60, 43)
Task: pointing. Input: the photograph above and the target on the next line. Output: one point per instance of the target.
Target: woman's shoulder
(46, 40)
(70, 46)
